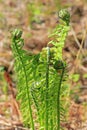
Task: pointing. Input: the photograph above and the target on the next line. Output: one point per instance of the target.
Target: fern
(23, 70)
(41, 87)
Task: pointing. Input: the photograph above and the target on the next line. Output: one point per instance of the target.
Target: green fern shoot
(42, 90)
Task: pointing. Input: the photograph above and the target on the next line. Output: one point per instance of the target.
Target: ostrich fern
(41, 87)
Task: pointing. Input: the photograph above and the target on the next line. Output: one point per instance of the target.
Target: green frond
(24, 73)
(42, 88)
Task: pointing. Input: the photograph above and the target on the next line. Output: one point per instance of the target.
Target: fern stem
(58, 100)
(51, 115)
(47, 87)
(28, 93)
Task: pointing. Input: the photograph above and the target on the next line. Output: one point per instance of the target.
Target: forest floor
(36, 27)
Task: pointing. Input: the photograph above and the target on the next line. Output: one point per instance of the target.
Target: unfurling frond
(42, 90)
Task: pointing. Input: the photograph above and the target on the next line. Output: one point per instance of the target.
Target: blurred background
(37, 18)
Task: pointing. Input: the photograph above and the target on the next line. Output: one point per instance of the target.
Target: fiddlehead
(21, 59)
(65, 16)
(59, 36)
